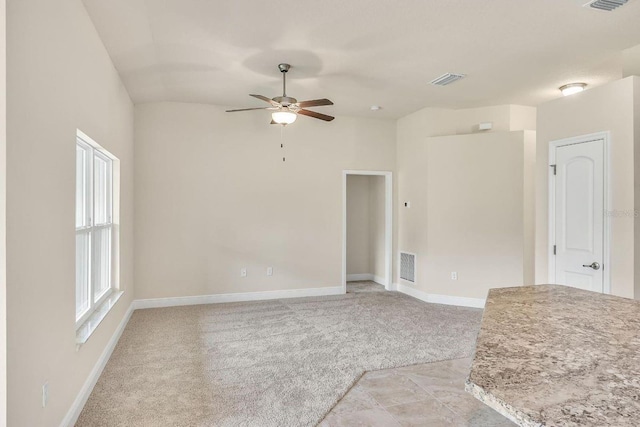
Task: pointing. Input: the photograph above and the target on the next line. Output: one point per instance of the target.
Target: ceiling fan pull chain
(282, 139)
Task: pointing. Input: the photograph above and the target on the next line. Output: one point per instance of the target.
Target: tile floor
(429, 395)
(421, 395)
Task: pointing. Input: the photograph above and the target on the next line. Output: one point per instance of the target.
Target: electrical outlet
(269, 271)
(45, 394)
(454, 275)
(243, 272)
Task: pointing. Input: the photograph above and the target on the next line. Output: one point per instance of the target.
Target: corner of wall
(529, 208)
(636, 172)
(3, 217)
(522, 117)
(631, 61)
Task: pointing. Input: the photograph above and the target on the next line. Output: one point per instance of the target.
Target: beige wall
(358, 227)
(377, 227)
(636, 148)
(414, 159)
(3, 216)
(529, 214)
(522, 117)
(467, 195)
(631, 61)
(59, 78)
(467, 120)
(214, 196)
(366, 225)
(608, 107)
(443, 122)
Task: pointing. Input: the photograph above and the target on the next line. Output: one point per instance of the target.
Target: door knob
(593, 265)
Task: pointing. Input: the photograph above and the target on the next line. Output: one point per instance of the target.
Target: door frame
(553, 145)
(388, 224)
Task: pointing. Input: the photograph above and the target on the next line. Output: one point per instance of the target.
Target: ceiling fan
(285, 108)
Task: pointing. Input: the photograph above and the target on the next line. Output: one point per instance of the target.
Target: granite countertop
(552, 355)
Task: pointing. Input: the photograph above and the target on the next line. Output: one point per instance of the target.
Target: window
(94, 227)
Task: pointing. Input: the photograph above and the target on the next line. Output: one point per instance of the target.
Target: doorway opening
(367, 228)
(579, 223)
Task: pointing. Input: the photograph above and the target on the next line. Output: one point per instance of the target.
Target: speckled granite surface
(553, 355)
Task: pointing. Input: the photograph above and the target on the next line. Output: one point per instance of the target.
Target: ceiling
(360, 53)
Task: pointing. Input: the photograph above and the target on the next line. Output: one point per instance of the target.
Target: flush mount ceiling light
(376, 108)
(284, 117)
(572, 88)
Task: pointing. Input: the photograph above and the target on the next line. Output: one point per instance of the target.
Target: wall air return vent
(447, 79)
(408, 267)
(606, 5)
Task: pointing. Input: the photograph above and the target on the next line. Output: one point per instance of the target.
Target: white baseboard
(440, 299)
(359, 277)
(379, 280)
(76, 408)
(236, 297)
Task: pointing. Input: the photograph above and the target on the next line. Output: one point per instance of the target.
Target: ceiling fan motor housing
(285, 100)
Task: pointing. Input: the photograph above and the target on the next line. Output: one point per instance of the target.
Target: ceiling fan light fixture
(284, 117)
(288, 108)
(571, 88)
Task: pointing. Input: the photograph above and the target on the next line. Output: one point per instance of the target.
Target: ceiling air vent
(607, 5)
(447, 79)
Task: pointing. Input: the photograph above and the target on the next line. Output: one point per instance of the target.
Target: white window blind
(94, 228)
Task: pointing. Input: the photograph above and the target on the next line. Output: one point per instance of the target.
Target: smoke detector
(606, 5)
(447, 79)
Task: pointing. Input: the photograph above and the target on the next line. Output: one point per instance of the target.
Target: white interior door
(579, 215)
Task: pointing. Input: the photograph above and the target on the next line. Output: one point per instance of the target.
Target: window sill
(91, 324)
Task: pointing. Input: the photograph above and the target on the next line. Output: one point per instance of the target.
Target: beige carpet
(270, 363)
